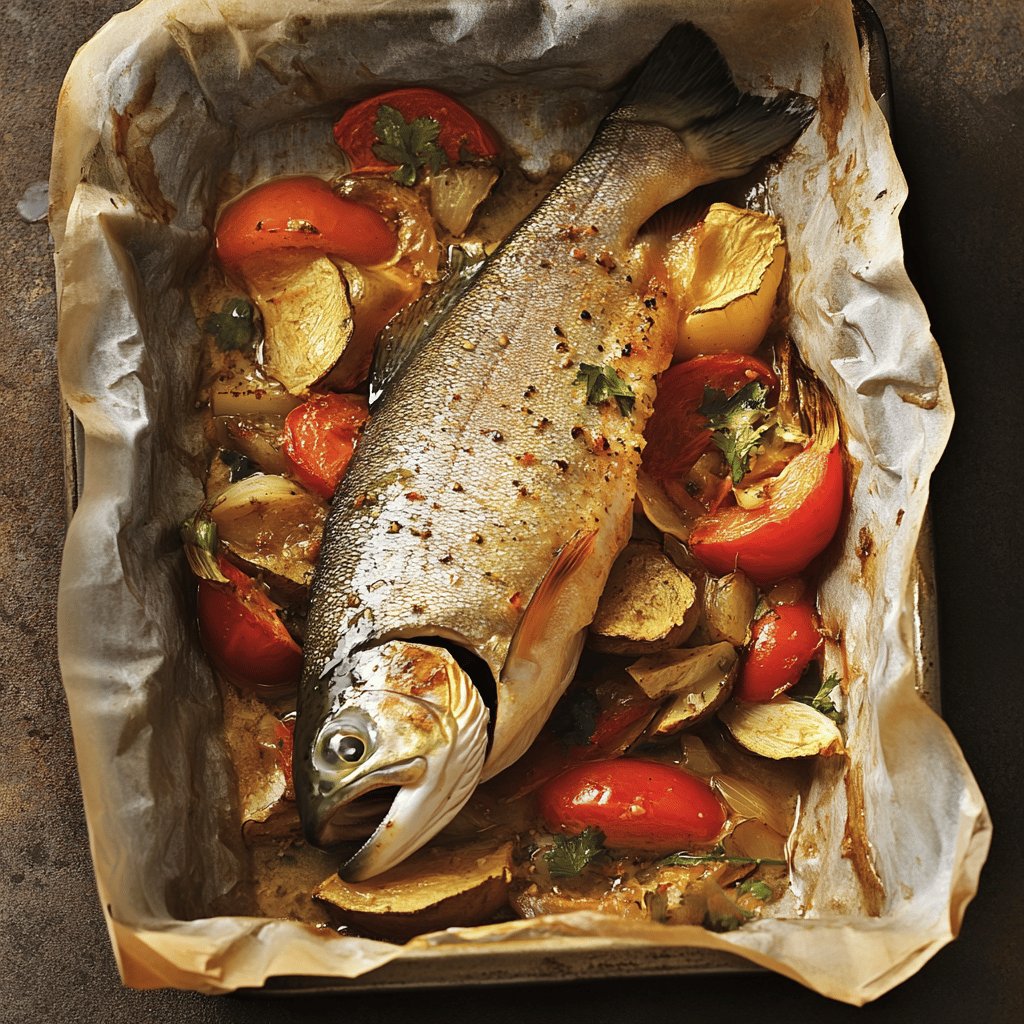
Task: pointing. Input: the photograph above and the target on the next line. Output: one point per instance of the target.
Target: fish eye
(347, 748)
(342, 748)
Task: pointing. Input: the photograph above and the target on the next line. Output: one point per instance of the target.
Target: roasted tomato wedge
(461, 134)
(320, 437)
(783, 641)
(641, 805)
(779, 538)
(301, 213)
(677, 433)
(243, 635)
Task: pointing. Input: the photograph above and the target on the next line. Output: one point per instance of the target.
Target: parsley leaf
(738, 423)
(759, 890)
(411, 144)
(822, 700)
(232, 327)
(571, 854)
(603, 383)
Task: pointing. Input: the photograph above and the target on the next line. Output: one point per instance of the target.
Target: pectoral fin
(540, 661)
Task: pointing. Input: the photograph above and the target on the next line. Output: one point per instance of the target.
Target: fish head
(411, 728)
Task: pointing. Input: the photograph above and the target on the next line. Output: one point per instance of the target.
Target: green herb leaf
(603, 383)
(571, 854)
(232, 328)
(411, 145)
(239, 466)
(759, 890)
(716, 855)
(822, 700)
(738, 423)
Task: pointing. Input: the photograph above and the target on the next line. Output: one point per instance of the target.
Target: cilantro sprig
(603, 384)
(756, 888)
(410, 144)
(822, 700)
(737, 423)
(571, 854)
(233, 327)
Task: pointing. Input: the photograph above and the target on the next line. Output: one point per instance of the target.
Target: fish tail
(686, 85)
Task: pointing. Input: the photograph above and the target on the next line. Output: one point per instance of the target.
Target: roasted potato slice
(697, 680)
(648, 604)
(307, 316)
(438, 887)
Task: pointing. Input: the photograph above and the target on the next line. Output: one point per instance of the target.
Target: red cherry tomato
(783, 641)
(622, 715)
(320, 437)
(677, 433)
(461, 132)
(640, 805)
(301, 214)
(243, 635)
(780, 537)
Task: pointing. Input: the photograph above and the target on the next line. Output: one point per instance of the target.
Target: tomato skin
(244, 637)
(677, 434)
(781, 537)
(640, 805)
(355, 133)
(783, 641)
(267, 218)
(320, 438)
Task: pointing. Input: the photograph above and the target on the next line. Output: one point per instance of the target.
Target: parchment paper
(178, 97)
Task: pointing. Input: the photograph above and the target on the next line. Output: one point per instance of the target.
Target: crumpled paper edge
(223, 953)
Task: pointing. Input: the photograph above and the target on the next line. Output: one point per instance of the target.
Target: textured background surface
(959, 94)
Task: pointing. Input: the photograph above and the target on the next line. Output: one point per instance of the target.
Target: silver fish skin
(488, 498)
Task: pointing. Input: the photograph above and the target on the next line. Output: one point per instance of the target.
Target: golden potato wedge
(729, 602)
(697, 681)
(438, 887)
(735, 262)
(648, 604)
(307, 316)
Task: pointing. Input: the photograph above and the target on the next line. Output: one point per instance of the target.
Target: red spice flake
(579, 254)
(527, 458)
(606, 260)
(516, 600)
(414, 496)
(600, 444)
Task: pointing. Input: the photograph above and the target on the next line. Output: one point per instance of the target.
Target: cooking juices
(562, 651)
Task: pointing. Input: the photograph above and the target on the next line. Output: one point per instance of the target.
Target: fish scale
(487, 499)
(426, 558)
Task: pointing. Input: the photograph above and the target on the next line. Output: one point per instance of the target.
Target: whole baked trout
(470, 540)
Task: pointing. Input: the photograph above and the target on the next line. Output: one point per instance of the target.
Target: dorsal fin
(403, 335)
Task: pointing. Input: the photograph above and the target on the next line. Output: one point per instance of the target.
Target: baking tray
(522, 961)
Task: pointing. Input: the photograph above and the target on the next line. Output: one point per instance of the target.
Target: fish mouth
(360, 808)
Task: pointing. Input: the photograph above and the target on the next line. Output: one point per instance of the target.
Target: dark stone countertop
(958, 74)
